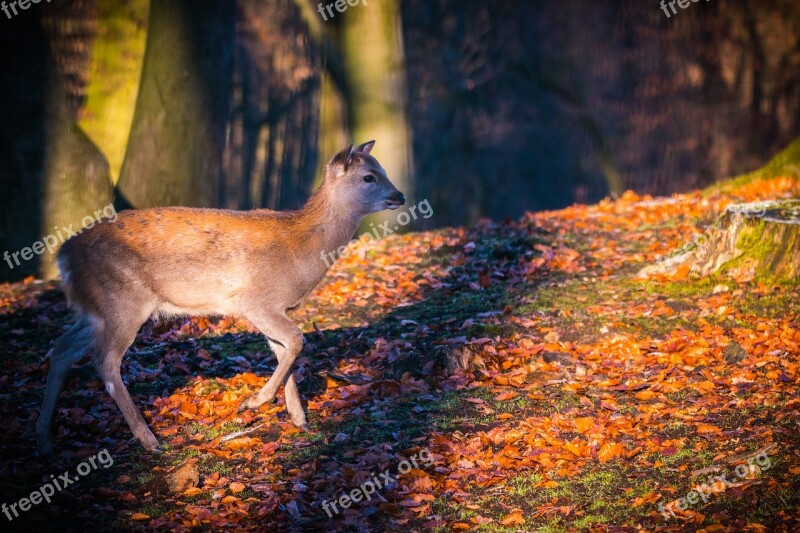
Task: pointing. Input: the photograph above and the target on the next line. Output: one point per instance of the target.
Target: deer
(177, 261)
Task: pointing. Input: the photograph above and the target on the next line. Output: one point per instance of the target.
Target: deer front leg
(286, 340)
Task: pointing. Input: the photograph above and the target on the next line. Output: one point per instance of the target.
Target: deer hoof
(150, 443)
(45, 445)
(250, 403)
(46, 450)
(253, 402)
(158, 450)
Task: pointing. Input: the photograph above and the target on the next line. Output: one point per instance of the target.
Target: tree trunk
(115, 70)
(174, 154)
(761, 240)
(371, 40)
(53, 176)
(27, 75)
(271, 151)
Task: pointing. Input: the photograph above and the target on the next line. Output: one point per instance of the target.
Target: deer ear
(366, 148)
(344, 158)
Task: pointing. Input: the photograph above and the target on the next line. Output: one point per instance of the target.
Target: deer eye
(369, 178)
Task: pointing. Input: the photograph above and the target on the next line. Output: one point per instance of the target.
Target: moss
(604, 492)
(682, 290)
(117, 55)
(655, 327)
(524, 486)
(459, 305)
(209, 464)
(450, 511)
(785, 163)
(770, 249)
(153, 509)
(682, 456)
(316, 449)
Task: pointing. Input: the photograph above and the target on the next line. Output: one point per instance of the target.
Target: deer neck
(326, 225)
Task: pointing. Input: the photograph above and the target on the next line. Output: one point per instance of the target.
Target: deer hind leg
(294, 405)
(65, 352)
(286, 340)
(113, 341)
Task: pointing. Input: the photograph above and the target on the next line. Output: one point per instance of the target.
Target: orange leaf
(513, 519)
(506, 396)
(584, 424)
(236, 486)
(573, 448)
(250, 379)
(608, 451)
(644, 395)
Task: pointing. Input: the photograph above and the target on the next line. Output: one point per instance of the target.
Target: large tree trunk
(334, 131)
(54, 176)
(114, 74)
(174, 154)
(372, 44)
(27, 75)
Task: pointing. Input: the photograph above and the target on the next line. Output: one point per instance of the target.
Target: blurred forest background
(487, 109)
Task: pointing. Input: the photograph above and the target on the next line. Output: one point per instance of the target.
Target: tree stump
(760, 239)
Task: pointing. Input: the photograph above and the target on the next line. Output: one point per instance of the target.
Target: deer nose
(400, 198)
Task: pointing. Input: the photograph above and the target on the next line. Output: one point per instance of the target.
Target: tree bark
(53, 176)
(115, 70)
(761, 240)
(174, 155)
(372, 45)
(756, 240)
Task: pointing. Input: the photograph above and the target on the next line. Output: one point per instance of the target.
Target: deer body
(160, 262)
(203, 261)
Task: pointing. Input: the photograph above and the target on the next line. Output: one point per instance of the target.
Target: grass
(600, 495)
(212, 432)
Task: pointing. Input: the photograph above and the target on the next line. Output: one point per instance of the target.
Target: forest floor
(592, 399)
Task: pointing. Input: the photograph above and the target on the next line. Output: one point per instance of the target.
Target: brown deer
(160, 262)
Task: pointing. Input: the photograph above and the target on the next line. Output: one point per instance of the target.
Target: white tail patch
(62, 266)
